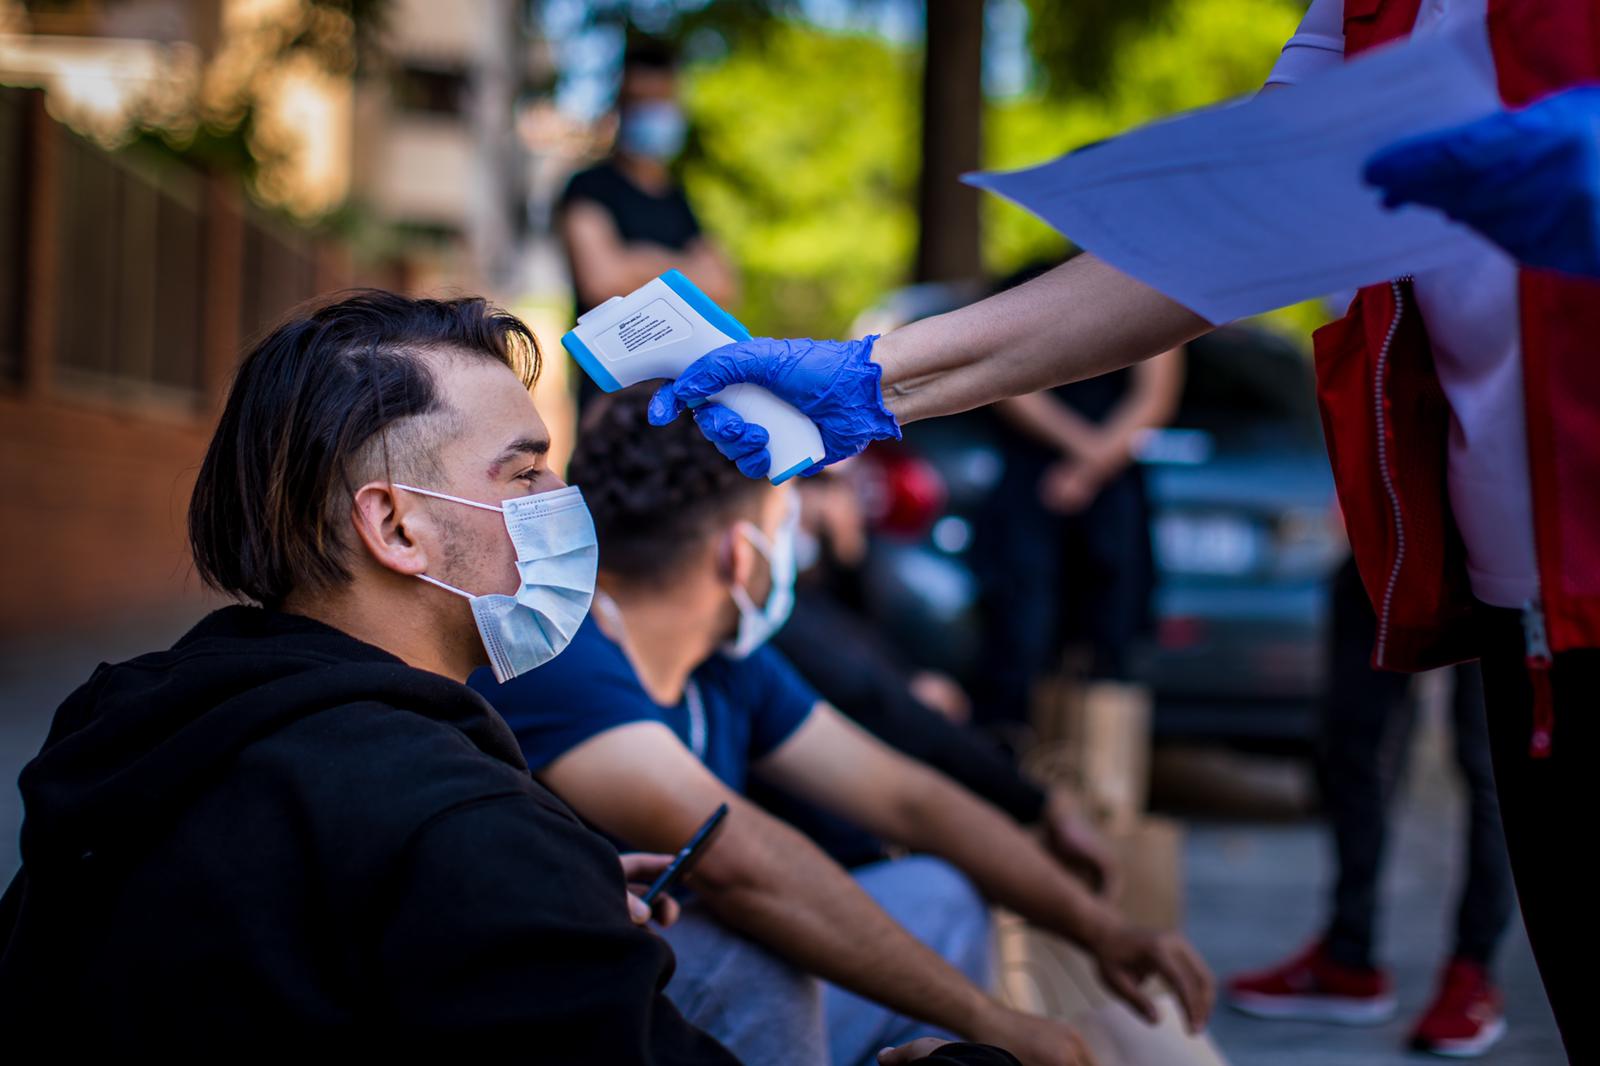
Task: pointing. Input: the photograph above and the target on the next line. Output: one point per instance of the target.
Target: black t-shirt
(639, 215)
(665, 219)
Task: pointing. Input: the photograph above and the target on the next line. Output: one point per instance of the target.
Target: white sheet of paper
(1247, 207)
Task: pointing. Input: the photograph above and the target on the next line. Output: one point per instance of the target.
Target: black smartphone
(688, 855)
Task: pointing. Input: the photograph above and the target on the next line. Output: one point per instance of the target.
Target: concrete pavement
(1256, 886)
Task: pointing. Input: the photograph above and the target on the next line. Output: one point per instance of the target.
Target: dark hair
(649, 53)
(654, 492)
(315, 409)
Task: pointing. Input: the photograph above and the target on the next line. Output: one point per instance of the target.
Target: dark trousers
(1048, 580)
(1367, 724)
(1548, 806)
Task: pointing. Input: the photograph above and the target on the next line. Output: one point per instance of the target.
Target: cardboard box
(1150, 858)
(1095, 738)
(1040, 973)
(1119, 1037)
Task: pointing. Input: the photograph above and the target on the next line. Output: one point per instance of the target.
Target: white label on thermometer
(652, 326)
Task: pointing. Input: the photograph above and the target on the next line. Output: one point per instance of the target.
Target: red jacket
(1387, 420)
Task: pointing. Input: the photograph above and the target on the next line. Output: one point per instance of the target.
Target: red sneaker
(1312, 987)
(1467, 1016)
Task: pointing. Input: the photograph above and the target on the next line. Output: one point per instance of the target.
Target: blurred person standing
(1368, 718)
(1062, 550)
(627, 219)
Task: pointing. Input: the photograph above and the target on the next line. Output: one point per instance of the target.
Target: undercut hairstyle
(338, 394)
(655, 493)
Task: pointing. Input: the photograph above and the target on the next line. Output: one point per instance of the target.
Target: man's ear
(736, 558)
(386, 522)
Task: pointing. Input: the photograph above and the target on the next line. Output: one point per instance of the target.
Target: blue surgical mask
(654, 130)
(556, 559)
(758, 624)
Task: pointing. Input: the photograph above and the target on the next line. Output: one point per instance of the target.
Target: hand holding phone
(688, 856)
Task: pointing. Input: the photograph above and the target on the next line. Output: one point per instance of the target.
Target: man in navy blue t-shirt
(667, 701)
(732, 713)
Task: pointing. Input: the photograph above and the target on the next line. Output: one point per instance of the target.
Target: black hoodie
(274, 831)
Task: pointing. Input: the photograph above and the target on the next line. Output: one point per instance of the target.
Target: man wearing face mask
(297, 822)
(627, 220)
(669, 701)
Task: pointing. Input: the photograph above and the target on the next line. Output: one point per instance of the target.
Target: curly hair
(655, 492)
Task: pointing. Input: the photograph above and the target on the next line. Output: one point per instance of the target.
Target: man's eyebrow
(530, 446)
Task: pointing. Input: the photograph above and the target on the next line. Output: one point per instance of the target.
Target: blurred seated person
(833, 543)
(1062, 549)
(668, 702)
(838, 652)
(626, 219)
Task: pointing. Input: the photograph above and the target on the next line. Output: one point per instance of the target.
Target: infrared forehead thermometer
(656, 331)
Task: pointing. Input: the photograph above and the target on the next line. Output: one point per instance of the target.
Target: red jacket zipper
(1380, 373)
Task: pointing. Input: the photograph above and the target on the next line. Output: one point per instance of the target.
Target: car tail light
(907, 496)
(1180, 633)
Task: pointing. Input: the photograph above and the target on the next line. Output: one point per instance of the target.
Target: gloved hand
(1529, 180)
(743, 442)
(834, 383)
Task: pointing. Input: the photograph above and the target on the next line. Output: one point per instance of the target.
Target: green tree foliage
(804, 163)
(218, 128)
(804, 159)
(1200, 53)
(1204, 52)
(1075, 44)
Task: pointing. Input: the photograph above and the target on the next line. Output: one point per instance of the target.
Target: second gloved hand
(1529, 180)
(834, 383)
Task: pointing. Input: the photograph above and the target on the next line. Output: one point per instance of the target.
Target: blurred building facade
(436, 153)
(130, 281)
(126, 293)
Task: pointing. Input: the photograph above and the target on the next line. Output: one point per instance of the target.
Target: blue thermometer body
(658, 330)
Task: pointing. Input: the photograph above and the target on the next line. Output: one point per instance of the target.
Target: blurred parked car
(1246, 533)
(1245, 527)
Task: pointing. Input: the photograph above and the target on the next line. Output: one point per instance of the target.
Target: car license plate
(1218, 545)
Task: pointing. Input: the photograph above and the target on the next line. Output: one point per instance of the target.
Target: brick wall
(91, 514)
(136, 292)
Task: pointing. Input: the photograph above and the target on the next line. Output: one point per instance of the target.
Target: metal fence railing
(129, 274)
(154, 273)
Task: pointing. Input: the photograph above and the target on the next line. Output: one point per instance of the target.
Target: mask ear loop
(763, 544)
(453, 499)
(447, 587)
(758, 538)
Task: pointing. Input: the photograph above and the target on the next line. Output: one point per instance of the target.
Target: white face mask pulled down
(557, 555)
(758, 624)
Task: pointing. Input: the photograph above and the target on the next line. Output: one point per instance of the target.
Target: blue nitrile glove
(834, 383)
(1529, 180)
(743, 442)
